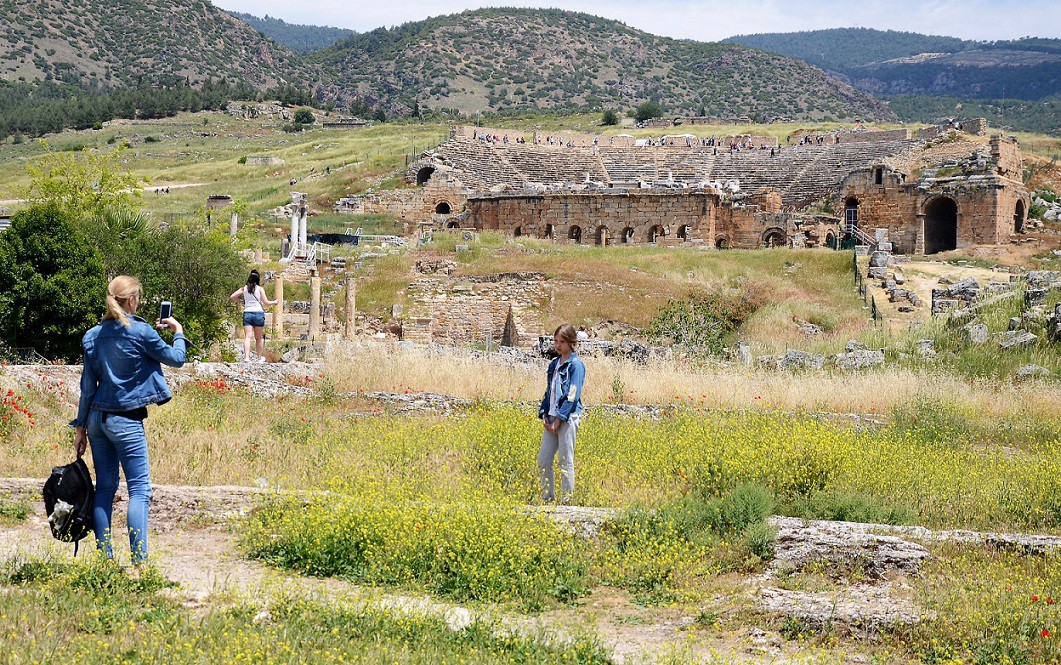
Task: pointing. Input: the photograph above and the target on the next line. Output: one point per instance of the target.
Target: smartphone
(165, 310)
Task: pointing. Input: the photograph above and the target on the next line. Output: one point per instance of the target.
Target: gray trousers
(563, 441)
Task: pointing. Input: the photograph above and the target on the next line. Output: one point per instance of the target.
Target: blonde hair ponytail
(120, 290)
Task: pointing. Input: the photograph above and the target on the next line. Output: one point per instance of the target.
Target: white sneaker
(262, 359)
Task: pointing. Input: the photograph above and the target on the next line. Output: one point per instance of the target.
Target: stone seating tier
(801, 174)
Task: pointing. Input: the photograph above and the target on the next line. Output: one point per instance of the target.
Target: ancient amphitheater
(600, 189)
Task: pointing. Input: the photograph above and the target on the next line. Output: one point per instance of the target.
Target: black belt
(131, 414)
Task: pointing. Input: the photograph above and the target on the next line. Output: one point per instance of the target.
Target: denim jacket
(572, 375)
(122, 368)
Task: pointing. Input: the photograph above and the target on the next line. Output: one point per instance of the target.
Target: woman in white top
(254, 303)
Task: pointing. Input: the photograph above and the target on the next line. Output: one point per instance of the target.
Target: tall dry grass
(384, 367)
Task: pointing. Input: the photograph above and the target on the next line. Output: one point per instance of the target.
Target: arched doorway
(601, 237)
(1018, 218)
(941, 225)
(452, 224)
(655, 232)
(628, 235)
(424, 174)
(547, 232)
(517, 232)
(575, 233)
(443, 208)
(774, 238)
(683, 232)
(851, 214)
(721, 242)
(830, 240)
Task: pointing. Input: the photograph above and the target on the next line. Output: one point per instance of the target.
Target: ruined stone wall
(869, 136)
(592, 217)
(410, 205)
(1006, 155)
(986, 204)
(490, 309)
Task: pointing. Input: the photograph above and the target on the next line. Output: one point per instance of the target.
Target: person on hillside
(560, 411)
(122, 374)
(254, 303)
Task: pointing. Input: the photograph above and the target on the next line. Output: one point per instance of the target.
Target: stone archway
(851, 213)
(774, 238)
(601, 236)
(941, 225)
(547, 232)
(683, 232)
(424, 174)
(830, 240)
(722, 242)
(575, 234)
(1018, 218)
(627, 236)
(443, 208)
(517, 232)
(655, 232)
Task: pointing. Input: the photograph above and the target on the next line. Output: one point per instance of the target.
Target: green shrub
(52, 283)
(759, 538)
(850, 506)
(463, 551)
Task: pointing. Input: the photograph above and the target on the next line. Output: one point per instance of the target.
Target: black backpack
(68, 495)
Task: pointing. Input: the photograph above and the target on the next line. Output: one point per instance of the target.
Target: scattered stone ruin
(736, 193)
(488, 311)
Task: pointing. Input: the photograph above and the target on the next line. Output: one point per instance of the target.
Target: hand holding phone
(165, 310)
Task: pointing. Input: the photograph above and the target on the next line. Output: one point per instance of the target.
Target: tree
(84, 183)
(53, 285)
(648, 110)
(304, 117)
(197, 271)
(610, 117)
(194, 269)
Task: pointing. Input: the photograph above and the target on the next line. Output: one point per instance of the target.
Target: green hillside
(116, 43)
(295, 36)
(889, 62)
(509, 59)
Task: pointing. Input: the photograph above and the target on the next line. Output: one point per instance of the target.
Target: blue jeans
(120, 440)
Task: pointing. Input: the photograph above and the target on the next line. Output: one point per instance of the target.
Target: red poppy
(1044, 633)
(1035, 599)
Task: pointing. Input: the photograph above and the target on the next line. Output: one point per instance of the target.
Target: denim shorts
(256, 319)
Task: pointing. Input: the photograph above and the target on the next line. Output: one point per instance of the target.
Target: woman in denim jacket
(121, 376)
(560, 411)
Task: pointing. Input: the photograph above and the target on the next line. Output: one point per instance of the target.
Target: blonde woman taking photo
(122, 375)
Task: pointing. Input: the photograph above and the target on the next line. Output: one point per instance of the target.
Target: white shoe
(246, 359)
(262, 359)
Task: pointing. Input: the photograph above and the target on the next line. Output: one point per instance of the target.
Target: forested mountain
(295, 36)
(510, 59)
(121, 43)
(889, 62)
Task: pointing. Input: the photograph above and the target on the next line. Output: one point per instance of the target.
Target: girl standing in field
(254, 303)
(560, 411)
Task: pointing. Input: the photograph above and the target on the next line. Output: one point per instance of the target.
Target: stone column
(351, 309)
(314, 306)
(233, 224)
(294, 233)
(302, 227)
(278, 313)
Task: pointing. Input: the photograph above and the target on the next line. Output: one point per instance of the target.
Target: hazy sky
(709, 20)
